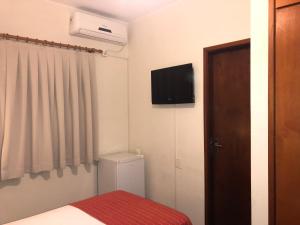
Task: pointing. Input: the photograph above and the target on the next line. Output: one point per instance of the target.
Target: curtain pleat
(94, 99)
(74, 106)
(88, 109)
(48, 109)
(2, 93)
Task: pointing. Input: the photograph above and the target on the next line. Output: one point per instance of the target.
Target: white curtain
(48, 109)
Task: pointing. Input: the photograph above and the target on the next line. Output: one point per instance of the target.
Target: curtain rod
(49, 43)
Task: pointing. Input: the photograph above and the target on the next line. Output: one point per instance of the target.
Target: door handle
(215, 145)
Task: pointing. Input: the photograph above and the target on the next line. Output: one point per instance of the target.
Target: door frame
(206, 88)
(271, 115)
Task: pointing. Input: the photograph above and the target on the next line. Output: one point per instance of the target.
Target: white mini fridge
(122, 171)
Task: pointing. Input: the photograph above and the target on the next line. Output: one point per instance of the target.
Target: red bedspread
(122, 208)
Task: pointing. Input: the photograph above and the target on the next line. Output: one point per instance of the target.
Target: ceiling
(121, 9)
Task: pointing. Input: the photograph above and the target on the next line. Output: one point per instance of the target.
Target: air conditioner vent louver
(105, 29)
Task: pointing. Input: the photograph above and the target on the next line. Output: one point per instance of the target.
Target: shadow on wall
(166, 106)
(45, 175)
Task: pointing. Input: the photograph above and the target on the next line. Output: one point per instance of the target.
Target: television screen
(173, 85)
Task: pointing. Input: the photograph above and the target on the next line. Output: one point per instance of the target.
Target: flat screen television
(173, 85)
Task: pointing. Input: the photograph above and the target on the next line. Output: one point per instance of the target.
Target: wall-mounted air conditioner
(99, 28)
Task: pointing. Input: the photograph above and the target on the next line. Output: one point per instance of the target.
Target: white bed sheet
(67, 215)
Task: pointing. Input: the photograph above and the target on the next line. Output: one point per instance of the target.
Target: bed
(115, 208)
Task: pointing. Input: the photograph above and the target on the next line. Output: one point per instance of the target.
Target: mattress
(115, 208)
(63, 216)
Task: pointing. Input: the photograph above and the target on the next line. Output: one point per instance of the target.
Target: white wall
(259, 111)
(44, 19)
(113, 97)
(177, 34)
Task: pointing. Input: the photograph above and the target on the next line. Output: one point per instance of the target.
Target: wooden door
(227, 134)
(285, 109)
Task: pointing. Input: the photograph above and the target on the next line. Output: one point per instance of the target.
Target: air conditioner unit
(99, 28)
